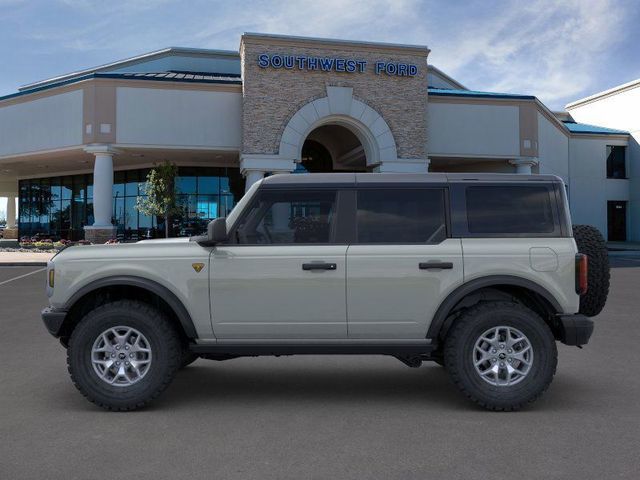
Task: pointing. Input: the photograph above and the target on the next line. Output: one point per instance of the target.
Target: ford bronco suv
(481, 273)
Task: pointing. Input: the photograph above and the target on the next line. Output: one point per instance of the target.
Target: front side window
(616, 162)
(509, 210)
(401, 216)
(289, 217)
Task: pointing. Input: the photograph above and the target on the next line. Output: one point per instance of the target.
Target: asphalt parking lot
(319, 417)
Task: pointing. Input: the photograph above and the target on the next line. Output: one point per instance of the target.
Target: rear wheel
(123, 354)
(501, 355)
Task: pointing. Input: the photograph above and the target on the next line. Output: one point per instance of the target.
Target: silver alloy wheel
(121, 356)
(503, 356)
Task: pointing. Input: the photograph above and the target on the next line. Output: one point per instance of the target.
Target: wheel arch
(76, 305)
(509, 284)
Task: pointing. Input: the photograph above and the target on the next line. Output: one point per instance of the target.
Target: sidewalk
(20, 259)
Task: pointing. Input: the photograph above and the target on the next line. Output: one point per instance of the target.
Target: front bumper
(54, 320)
(575, 329)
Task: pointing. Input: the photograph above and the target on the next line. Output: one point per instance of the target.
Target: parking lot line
(22, 276)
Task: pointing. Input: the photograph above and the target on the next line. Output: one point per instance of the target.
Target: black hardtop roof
(344, 179)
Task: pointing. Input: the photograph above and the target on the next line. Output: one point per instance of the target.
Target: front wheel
(123, 354)
(501, 355)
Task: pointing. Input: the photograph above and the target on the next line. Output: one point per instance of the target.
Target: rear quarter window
(509, 210)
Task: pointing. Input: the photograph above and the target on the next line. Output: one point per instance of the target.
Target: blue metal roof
(592, 129)
(228, 79)
(450, 92)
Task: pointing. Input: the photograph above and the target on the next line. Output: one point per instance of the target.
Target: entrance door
(402, 263)
(617, 221)
(284, 278)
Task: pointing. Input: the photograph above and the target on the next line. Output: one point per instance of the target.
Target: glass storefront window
(186, 184)
(60, 207)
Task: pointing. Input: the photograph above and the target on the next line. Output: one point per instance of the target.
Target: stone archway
(341, 109)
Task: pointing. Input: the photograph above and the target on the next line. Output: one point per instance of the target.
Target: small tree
(160, 191)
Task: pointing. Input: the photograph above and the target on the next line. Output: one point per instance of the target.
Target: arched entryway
(339, 126)
(332, 148)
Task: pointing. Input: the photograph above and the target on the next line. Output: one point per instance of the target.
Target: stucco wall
(553, 149)
(589, 188)
(621, 111)
(271, 96)
(153, 116)
(468, 129)
(41, 124)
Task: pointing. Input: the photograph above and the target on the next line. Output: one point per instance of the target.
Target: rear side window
(401, 216)
(509, 210)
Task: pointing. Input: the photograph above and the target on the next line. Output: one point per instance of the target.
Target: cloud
(550, 49)
(557, 50)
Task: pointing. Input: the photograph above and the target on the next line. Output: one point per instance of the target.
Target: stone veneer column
(102, 228)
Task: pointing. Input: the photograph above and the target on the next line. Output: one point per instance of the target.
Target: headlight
(52, 277)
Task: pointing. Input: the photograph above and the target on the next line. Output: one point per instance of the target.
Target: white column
(251, 177)
(102, 228)
(11, 211)
(523, 165)
(254, 166)
(103, 189)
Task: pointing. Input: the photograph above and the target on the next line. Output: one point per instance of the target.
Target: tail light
(582, 269)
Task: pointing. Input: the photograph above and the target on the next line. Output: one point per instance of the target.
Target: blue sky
(557, 50)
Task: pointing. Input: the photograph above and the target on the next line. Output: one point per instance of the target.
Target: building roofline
(605, 93)
(446, 77)
(130, 61)
(590, 129)
(231, 80)
(423, 49)
(449, 92)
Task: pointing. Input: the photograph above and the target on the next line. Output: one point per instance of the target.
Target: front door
(617, 221)
(283, 274)
(402, 264)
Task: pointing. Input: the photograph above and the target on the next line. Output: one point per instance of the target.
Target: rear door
(283, 277)
(402, 264)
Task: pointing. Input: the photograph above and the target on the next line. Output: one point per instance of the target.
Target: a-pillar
(102, 228)
(524, 165)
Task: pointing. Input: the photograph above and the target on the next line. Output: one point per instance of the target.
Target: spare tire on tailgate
(591, 243)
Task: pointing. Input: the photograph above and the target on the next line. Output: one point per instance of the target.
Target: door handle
(435, 265)
(319, 266)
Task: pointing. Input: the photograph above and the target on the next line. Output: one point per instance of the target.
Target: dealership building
(75, 149)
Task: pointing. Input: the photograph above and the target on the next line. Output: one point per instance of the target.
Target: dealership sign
(334, 64)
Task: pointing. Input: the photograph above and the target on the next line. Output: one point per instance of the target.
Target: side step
(261, 349)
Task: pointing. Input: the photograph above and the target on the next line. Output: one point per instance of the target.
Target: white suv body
(340, 263)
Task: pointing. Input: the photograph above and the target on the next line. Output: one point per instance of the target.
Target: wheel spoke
(121, 371)
(512, 350)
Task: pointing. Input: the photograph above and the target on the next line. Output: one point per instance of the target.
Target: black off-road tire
(460, 343)
(150, 322)
(591, 242)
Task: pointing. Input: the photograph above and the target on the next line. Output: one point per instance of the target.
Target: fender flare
(154, 287)
(494, 280)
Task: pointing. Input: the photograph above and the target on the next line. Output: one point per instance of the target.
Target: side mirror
(217, 230)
